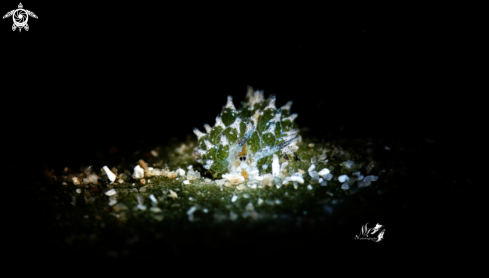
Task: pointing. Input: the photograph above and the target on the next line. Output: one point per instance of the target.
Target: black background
(90, 76)
(86, 77)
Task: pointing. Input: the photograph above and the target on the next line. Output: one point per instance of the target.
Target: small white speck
(343, 178)
(111, 192)
(141, 207)
(324, 172)
(309, 187)
(173, 194)
(234, 198)
(153, 199)
(311, 168)
(275, 165)
(314, 175)
(295, 185)
(186, 182)
(181, 172)
(284, 165)
(191, 210)
(155, 209)
(138, 173)
(109, 173)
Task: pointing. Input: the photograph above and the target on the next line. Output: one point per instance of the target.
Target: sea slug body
(242, 141)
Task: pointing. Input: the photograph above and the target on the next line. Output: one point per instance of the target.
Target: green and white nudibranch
(242, 142)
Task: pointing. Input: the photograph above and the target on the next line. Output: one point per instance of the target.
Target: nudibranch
(243, 141)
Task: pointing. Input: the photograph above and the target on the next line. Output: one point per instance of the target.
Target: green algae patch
(176, 198)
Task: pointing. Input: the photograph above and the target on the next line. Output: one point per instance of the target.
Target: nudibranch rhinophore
(243, 141)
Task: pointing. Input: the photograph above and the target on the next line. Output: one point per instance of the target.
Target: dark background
(90, 76)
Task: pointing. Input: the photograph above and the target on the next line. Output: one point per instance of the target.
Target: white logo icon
(20, 17)
(375, 234)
